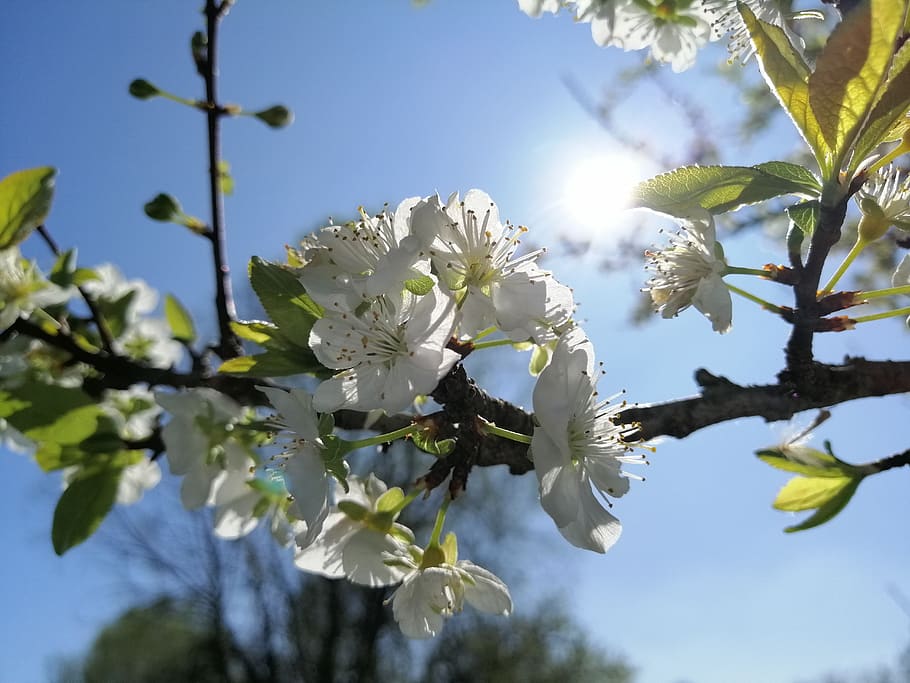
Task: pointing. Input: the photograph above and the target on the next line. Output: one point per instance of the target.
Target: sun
(598, 188)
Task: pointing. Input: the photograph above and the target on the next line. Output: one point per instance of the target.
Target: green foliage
(540, 356)
(64, 272)
(719, 189)
(25, 201)
(849, 73)
(805, 215)
(82, 507)
(182, 328)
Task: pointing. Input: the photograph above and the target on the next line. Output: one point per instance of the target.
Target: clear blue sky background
(394, 101)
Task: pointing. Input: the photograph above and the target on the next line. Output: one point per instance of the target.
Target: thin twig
(107, 339)
(228, 344)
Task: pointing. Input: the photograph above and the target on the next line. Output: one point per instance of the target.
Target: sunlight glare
(597, 189)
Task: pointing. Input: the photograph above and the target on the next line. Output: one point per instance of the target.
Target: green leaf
(49, 412)
(887, 120)
(179, 319)
(284, 299)
(420, 285)
(808, 493)
(25, 201)
(275, 364)
(255, 331)
(82, 507)
(719, 189)
(787, 76)
(799, 175)
(807, 461)
(850, 70)
(116, 312)
(64, 267)
(829, 509)
(805, 215)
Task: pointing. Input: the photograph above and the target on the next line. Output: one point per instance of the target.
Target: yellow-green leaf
(851, 69)
(25, 201)
(829, 509)
(179, 319)
(82, 507)
(788, 77)
(888, 120)
(808, 493)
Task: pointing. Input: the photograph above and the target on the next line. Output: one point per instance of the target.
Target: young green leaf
(808, 493)
(887, 120)
(805, 215)
(82, 507)
(275, 364)
(719, 189)
(182, 328)
(284, 299)
(256, 331)
(830, 509)
(225, 179)
(807, 461)
(25, 201)
(787, 76)
(851, 69)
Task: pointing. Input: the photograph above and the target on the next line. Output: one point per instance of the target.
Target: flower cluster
(396, 288)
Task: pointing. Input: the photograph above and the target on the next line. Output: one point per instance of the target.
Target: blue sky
(393, 101)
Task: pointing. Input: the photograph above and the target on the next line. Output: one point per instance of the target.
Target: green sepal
(425, 440)
(719, 189)
(116, 312)
(25, 201)
(82, 507)
(450, 548)
(182, 328)
(420, 285)
(326, 424)
(354, 510)
(540, 356)
(390, 500)
(333, 452)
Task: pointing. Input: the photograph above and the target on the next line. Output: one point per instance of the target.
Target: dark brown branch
(898, 460)
(228, 344)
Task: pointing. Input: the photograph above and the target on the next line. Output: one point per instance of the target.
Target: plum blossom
(576, 445)
(436, 585)
(726, 19)
(885, 198)
(356, 262)
(359, 530)
(673, 29)
(200, 444)
(689, 272)
(23, 288)
(474, 256)
(388, 356)
(534, 8)
(304, 468)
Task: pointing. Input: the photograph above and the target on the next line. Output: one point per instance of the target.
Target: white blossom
(886, 196)
(351, 263)
(391, 354)
(136, 479)
(689, 272)
(534, 8)
(577, 445)
(304, 468)
(357, 534)
(674, 30)
(23, 288)
(199, 444)
(474, 256)
(726, 19)
(434, 590)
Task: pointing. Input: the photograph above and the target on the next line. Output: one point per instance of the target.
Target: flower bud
(163, 208)
(278, 116)
(141, 89)
(873, 223)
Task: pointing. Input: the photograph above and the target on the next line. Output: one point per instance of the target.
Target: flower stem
(385, 438)
(484, 333)
(493, 342)
(855, 251)
(767, 305)
(736, 270)
(407, 500)
(440, 522)
(890, 291)
(881, 316)
(491, 428)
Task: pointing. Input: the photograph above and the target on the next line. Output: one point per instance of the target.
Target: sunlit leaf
(787, 75)
(182, 328)
(807, 461)
(805, 215)
(830, 509)
(851, 69)
(284, 299)
(888, 121)
(275, 364)
(719, 189)
(808, 493)
(25, 201)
